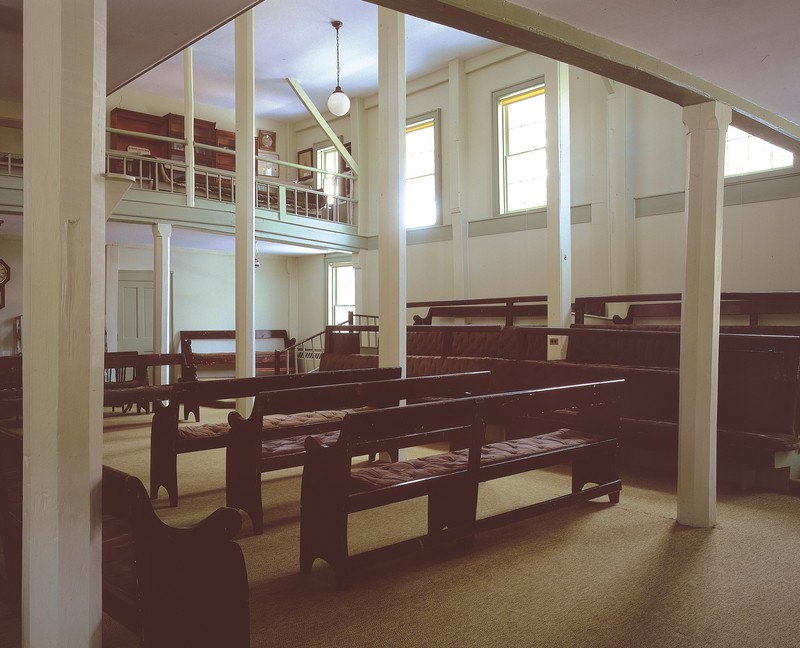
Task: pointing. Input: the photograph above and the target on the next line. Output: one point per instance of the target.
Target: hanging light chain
(337, 24)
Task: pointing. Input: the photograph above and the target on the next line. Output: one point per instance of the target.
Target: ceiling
(742, 48)
(733, 50)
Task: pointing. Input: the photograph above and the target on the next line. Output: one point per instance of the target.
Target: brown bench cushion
(271, 422)
(378, 477)
(295, 444)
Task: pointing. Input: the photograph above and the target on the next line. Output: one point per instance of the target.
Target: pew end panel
(170, 586)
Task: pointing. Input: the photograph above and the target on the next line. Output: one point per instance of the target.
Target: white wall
(203, 288)
(311, 308)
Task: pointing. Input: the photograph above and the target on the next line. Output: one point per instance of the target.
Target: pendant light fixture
(338, 102)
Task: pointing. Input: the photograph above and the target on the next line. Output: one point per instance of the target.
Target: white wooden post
(621, 204)
(706, 125)
(456, 150)
(64, 84)
(245, 202)
(391, 182)
(559, 239)
(161, 298)
(188, 123)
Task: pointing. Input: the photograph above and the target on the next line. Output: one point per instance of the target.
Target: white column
(112, 296)
(188, 122)
(162, 266)
(559, 246)
(391, 183)
(245, 202)
(359, 140)
(706, 125)
(64, 84)
(621, 204)
(457, 144)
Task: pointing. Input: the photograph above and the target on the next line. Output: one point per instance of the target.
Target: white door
(135, 322)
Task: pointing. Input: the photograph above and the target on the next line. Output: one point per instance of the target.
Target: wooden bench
(127, 382)
(273, 436)
(128, 372)
(667, 306)
(171, 586)
(168, 438)
(266, 360)
(758, 406)
(331, 490)
(506, 308)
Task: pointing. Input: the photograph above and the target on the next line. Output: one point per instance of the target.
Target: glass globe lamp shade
(338, 102)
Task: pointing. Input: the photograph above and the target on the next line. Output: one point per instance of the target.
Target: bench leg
(323, 534)
(163, 472)
(243, 482)
(598, 468)
(453, 507)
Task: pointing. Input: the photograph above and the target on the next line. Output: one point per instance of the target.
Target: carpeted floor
(595, 575)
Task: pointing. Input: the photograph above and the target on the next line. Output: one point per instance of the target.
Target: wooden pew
(506, 308)
(273, 436)
(265, 360)
(667, 306)
(171, 586)
(331, 490)
(168, 438)
(131, 372)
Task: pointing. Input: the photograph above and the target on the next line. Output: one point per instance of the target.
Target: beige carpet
(594, 575)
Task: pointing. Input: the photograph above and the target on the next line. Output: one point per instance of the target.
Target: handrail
(476, 301)
(668, 304)
(507, 308)
(8, 166)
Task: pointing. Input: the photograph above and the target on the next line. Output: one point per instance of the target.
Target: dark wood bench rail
(255, 447)
(168, 438)
(140, 365)
(331, 490)
(265, 360)
(171, 586)
(668, 305)
(507, 308)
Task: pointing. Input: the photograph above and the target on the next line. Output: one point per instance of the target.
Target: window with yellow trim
(522, 149)
(421, 192)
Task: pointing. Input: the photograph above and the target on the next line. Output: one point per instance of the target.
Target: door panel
(135, 316)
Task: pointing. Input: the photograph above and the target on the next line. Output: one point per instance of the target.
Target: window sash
(421, 208)
(523, 155)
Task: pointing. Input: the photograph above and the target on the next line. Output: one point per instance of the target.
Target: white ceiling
(295, 39)
(743, 48)
(748, 48)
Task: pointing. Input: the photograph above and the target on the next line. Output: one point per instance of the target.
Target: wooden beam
(323, 124)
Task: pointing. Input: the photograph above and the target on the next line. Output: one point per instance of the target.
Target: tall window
(522, 149)
(328, 160)
(421, 196)
(745, 153)
(341, 291)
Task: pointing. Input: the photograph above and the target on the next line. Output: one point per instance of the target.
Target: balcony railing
(11, 164)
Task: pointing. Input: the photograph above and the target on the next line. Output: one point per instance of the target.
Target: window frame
(332, 262)
(319, 176)
(765, 174)
(435, 117)
(499, 190)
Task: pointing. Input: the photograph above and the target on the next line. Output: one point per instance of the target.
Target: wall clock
(266, 140)
(5, 275)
